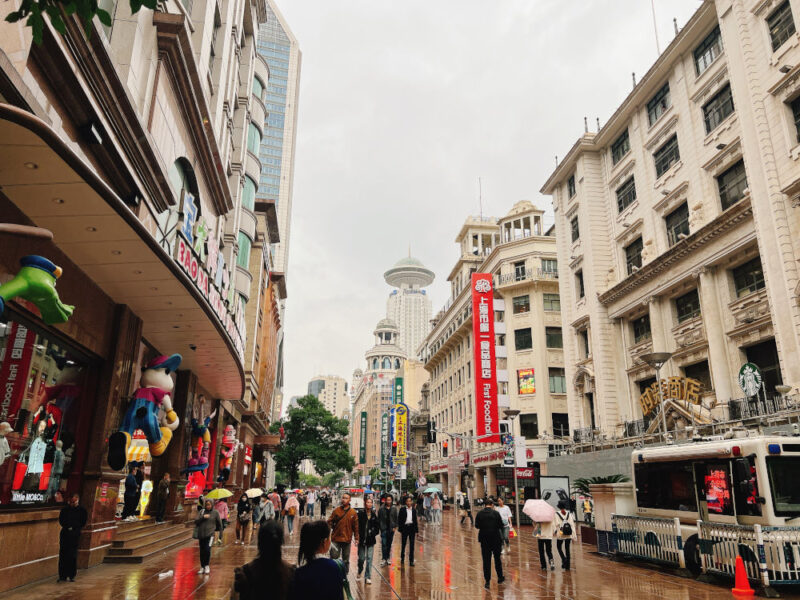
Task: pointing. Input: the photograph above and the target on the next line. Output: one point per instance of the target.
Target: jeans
(465, 514)
(205, 550)
(545, 545)
(407, 537)
(487, 551)
(505, 531)
(310, 509)
(344, 548)
(564, 555)
(290, 520)
(387, 536)
(68, 554)
(365, 556)
(436, 515)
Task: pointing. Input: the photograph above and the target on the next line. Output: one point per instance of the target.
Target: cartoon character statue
(36, 282)
(150, 410)
(201, 439)
(229, 446)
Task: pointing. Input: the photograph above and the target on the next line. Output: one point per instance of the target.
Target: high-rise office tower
(408, 305)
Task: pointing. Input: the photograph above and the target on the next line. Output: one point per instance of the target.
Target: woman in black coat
(368, 530)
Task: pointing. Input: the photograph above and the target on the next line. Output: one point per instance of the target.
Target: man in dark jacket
(161, 498)
(131, 496)
(490, 526)
(72, 518)
(387, 519)
(408, 526)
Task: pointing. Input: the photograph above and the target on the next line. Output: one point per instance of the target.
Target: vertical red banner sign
(486, 420)
(14, 371)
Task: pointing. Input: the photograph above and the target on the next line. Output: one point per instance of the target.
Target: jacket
(559, 521)
(244, 509)
(292, 503)
(545, 531)
(387, 518)
(263, 512)
(131, 486)
(320, 579)
(163, 489)
(489, 526)
(222, 508)
(72, 519)
(368, 528)
(206, 527)
(255, 581)
(344, 524)
(402, 515)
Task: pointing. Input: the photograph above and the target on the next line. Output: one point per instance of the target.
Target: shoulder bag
(335, 551)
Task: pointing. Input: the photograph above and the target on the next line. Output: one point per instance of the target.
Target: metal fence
(649, 538)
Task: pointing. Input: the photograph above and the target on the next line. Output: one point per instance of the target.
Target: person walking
(564, 532)
(72, 519)
(162, 495)
(465, 509)
(284, 499)
(263, 512)
(505, 515)
(420, 504)
(268, 576)
(344, 527)
(436, 509)
(130, 497)
(317, 576)
(368, 530)
(409, 527)
(244, 520)
(324, 500)
(544, 532)
(311, 500)
(426, 503)
(221, 506)
(205, 525)
(291, 511)
(387, 519)
(489, 526)
(275, 498)
(301, 498)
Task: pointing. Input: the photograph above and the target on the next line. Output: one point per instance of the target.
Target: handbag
(345, 583)
(335, 551)
(512, 533)
(195, 533)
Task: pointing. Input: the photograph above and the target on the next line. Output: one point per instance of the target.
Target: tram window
(667, 486)
(715, 478)
(745, 490)
(785, 484)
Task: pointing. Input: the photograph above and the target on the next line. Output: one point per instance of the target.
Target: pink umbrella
(539, 511)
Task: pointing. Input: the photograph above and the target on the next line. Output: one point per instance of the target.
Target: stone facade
(332, 391)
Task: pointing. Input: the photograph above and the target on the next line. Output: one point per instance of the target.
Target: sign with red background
(486, 419)
(14, 371)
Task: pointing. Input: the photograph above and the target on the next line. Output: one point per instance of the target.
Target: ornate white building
(408, 305)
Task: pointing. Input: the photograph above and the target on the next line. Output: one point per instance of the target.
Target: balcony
(690, 332)
(637, 350)
(507, 280)
(501, 351)
(750, 308)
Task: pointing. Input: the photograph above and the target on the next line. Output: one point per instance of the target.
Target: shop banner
(391, 437)
(362, 451)
(400, 432)
(526, 382)
(14, 371)
(384, 438)
(398, 390)
(248, 455)
(486, 420)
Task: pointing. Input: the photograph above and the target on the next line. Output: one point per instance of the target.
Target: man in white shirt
(311, 499)
(505, 515)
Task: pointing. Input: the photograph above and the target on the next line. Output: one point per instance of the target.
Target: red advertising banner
(485, 370)
(248, 455)
(14, 371)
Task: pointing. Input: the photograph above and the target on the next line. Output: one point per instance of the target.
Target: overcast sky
(403, 105)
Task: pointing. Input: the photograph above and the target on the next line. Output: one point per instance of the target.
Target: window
(633, 255)
(658, 105)
(579, 283)
(707, 52)
(785, 485)
(666, 156)
(253, 138)
(665, 485)
(571, 186)
(258, 88)
(701, 373)
(249, 193)
(732, 184)
(552, 302)
(553, 337)
(243, 258)
(583, 334)
(521, 304)
(626, 194)
(795, 106)
(781, 25)
(558, 380)
(549, 265)
(678, 224)
(529, 426)
(718, 108)
(560, 424)
(687, 306)
(576, 232)
(620, 147)
(519, 270)
(748, 278)
(641, 329)
(523, 339)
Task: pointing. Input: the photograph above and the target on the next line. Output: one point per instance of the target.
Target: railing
(527, 275)
(757, 406)
(651, 539)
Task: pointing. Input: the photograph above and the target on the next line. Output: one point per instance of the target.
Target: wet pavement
(447, 566)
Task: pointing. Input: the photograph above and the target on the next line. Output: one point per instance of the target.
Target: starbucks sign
(750, 379)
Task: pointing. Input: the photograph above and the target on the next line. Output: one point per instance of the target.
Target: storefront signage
(362, 451)
(248, 455)
(384, 438)
(398, 390)
(14, 371)
(492, 456)
(435, 468)
(197, 252)
(750, 379)
(674, 388)
(524, 473)
(526, 382)
(486, 421)
(27, 497)
(400, 432)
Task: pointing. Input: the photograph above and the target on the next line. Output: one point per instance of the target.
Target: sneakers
(208, 569)
(368, 581)
(501, 580)
(552, 565)
(389, 561)
(503, 551)
(201, 571)
(411, 564)
(486, 585)
(384, 563)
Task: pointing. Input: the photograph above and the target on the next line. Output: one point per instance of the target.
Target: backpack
(566, 528)
(292, 511)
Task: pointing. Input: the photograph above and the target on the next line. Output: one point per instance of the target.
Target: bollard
(766, 590)
(679, 539)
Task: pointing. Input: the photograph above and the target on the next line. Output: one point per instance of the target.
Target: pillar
(480, 489)
(491, 481)
(715, 334)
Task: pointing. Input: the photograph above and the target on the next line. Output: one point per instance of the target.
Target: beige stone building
(332, 391)
(677, 225)
(530, 365)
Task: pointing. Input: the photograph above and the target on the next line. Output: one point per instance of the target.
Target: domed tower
(385, 356)
(408, 304)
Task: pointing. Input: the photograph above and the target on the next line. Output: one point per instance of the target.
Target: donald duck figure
(150, 410)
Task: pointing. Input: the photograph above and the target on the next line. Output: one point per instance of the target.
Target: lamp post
(511, 414)
(657, 360)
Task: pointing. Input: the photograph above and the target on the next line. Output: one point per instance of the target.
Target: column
(480, 490)
(715, 333)
(175, 455)
(491, 480)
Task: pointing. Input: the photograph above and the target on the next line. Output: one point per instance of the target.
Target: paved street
(447, 566)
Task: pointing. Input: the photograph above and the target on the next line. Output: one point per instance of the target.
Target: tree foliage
(581, 485)
(35, 11)
(309, 480)
(332, 478)
(313, 433)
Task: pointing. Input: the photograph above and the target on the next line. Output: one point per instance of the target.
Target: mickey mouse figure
(144, 412)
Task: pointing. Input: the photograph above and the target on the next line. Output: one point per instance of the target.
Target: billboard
(526, 382)
(400, 432)
(362, 450)
(486, 420)
(384, 438)
(398, 390)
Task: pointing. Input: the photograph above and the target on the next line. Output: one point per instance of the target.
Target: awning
(57, 190)
(138, 452)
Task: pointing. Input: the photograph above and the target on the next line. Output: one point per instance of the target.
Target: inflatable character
(201, 439)
(229, 446)
(150, 410)
(36, 282)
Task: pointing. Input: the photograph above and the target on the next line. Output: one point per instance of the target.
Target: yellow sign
(401, 432)
(674, 388)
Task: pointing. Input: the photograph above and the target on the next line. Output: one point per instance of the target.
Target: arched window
(181, 177)
(253, 138)
(182, 180)
(375, 363)
(249, 193)
(396, 363)
(258, 88)
(243, 258)
(387, 363)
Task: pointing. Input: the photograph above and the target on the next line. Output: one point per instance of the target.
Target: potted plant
(581, 487)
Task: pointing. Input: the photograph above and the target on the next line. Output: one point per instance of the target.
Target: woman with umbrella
(542, 514)
(206, 523)
(244, 519)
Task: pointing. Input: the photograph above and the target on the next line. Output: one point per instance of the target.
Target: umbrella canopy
(254, 492)
(218, 494)
(431, 490)
(539, 511)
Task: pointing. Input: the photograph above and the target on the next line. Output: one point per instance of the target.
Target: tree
(312, 433)
(581, 485)
(34, 12)
(331, 479)
(307, 480)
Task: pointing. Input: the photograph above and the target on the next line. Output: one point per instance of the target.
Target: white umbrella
(539, 511)
(254, 492)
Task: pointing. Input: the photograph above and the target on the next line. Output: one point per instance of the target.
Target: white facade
(332, 391)
(409, 305)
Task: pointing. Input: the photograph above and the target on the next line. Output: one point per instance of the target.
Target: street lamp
(511, 414)
(657, 360)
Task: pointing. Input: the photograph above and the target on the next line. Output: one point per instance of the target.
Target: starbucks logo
(750, 379)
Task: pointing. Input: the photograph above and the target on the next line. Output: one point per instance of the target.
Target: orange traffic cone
(742, 586)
